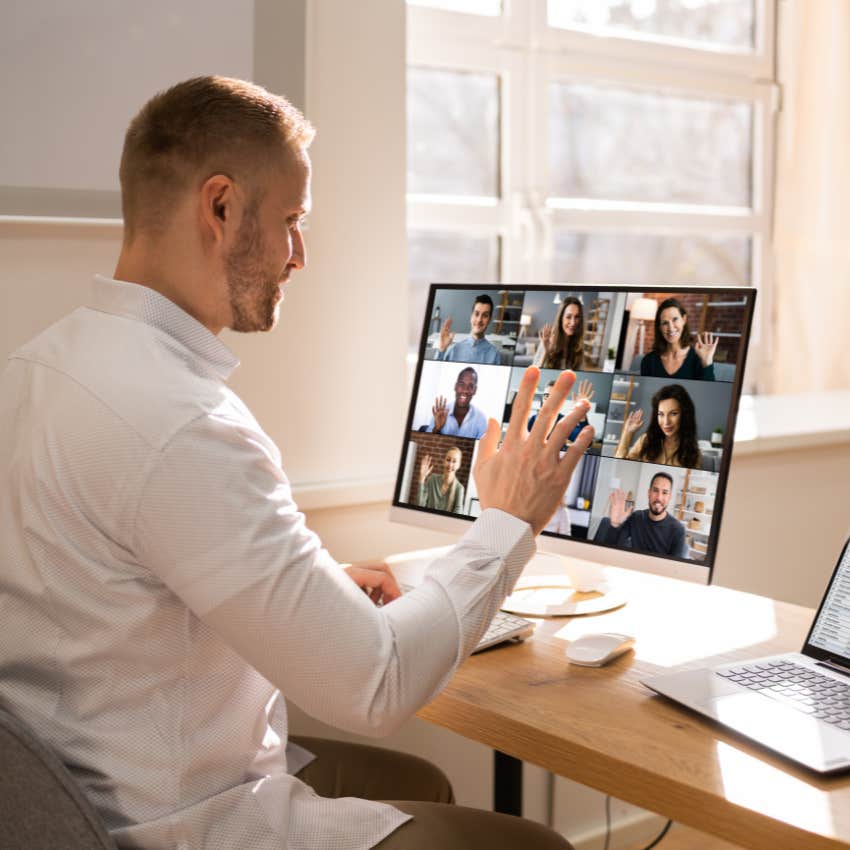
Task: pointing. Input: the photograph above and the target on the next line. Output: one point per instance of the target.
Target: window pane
(435, 257)
(712, 23)
(622, 144)
(472, 7)
(649, 259)
(452, 133)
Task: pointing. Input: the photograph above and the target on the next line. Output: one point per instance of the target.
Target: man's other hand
(527, 476)
(376, 581)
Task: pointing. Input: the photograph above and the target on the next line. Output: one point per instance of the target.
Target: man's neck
(477, 336)
(459, 412)
(657, 517)
(138, 264)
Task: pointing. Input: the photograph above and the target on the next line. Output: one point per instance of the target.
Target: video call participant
(652, 530)
(671, 438)
(442, 492)
(464, 419)
(475, 348)
(585, 390)
(562, 344)
(673, 355)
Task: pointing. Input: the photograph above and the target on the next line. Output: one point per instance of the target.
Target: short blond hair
(197, 128)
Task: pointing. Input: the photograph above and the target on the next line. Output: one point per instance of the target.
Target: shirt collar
(139, 302)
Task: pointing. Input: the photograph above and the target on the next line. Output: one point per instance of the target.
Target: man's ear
(216, 206)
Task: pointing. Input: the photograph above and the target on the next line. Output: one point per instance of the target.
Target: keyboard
(801, 687)
(503, 628)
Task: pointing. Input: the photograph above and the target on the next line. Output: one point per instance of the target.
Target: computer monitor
(663, 370)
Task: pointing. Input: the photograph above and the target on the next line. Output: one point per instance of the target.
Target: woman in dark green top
(443, 492)
(673, 355)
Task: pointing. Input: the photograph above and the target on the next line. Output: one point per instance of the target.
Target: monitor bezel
(810, 649)
(585, 550)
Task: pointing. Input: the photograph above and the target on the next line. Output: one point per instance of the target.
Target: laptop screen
(662, 370)
(830, 632)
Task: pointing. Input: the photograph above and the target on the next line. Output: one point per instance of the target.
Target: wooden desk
(602, 728)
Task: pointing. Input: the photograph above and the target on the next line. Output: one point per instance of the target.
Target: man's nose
(299, 251)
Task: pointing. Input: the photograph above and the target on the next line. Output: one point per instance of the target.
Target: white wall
(329, 384)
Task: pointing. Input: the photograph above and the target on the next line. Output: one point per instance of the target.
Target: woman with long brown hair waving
(562, 343)
(670, 438)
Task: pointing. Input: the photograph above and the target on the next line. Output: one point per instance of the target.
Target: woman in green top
(443, 492)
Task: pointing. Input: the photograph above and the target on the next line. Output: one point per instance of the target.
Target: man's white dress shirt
(159, 589)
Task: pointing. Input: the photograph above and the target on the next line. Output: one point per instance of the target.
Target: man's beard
(655, 512)
(253, 290)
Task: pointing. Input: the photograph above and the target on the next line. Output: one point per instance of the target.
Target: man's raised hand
(440, 412)
(446, 335)
(619, 513)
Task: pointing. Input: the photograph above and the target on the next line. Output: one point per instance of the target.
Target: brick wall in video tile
(437, 445)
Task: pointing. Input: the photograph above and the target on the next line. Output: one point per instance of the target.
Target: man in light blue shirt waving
(463, 419)
(474, 348)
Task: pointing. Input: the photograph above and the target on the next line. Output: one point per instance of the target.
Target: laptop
(798, 703)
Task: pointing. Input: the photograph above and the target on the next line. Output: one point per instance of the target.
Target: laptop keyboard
(801, 687)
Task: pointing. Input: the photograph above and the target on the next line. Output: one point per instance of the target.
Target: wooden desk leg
(507, 784)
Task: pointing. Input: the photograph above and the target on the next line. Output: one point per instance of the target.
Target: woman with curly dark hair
(676, 352)
(562, 343)
(671, 437)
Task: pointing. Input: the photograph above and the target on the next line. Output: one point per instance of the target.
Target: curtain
(811, 299)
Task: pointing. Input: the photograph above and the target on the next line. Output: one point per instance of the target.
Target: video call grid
(604, 376)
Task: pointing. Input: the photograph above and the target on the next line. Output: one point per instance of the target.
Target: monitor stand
(551, 589)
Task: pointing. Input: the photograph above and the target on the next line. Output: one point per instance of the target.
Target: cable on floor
(659, 836)
(654, 843)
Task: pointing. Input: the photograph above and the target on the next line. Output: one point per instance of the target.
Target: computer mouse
(598, 649)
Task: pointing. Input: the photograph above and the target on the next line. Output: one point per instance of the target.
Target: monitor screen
(662, 371)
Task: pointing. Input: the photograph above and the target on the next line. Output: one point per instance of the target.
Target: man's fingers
(565, 427)
(557, 396)
(522, 404)
(377, 581)
(575, 452)
(489, 443)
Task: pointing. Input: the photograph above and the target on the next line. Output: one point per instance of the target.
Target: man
(475, 348)
(464, 419)
(652, 530)
(158, 584)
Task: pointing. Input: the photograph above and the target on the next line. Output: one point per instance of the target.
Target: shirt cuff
(482, 570)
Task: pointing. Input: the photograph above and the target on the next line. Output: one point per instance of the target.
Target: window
(589, 141)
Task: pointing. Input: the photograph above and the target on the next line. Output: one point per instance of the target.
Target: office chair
(41, 807)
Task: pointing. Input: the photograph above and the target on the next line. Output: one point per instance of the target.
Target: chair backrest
(41, 807)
